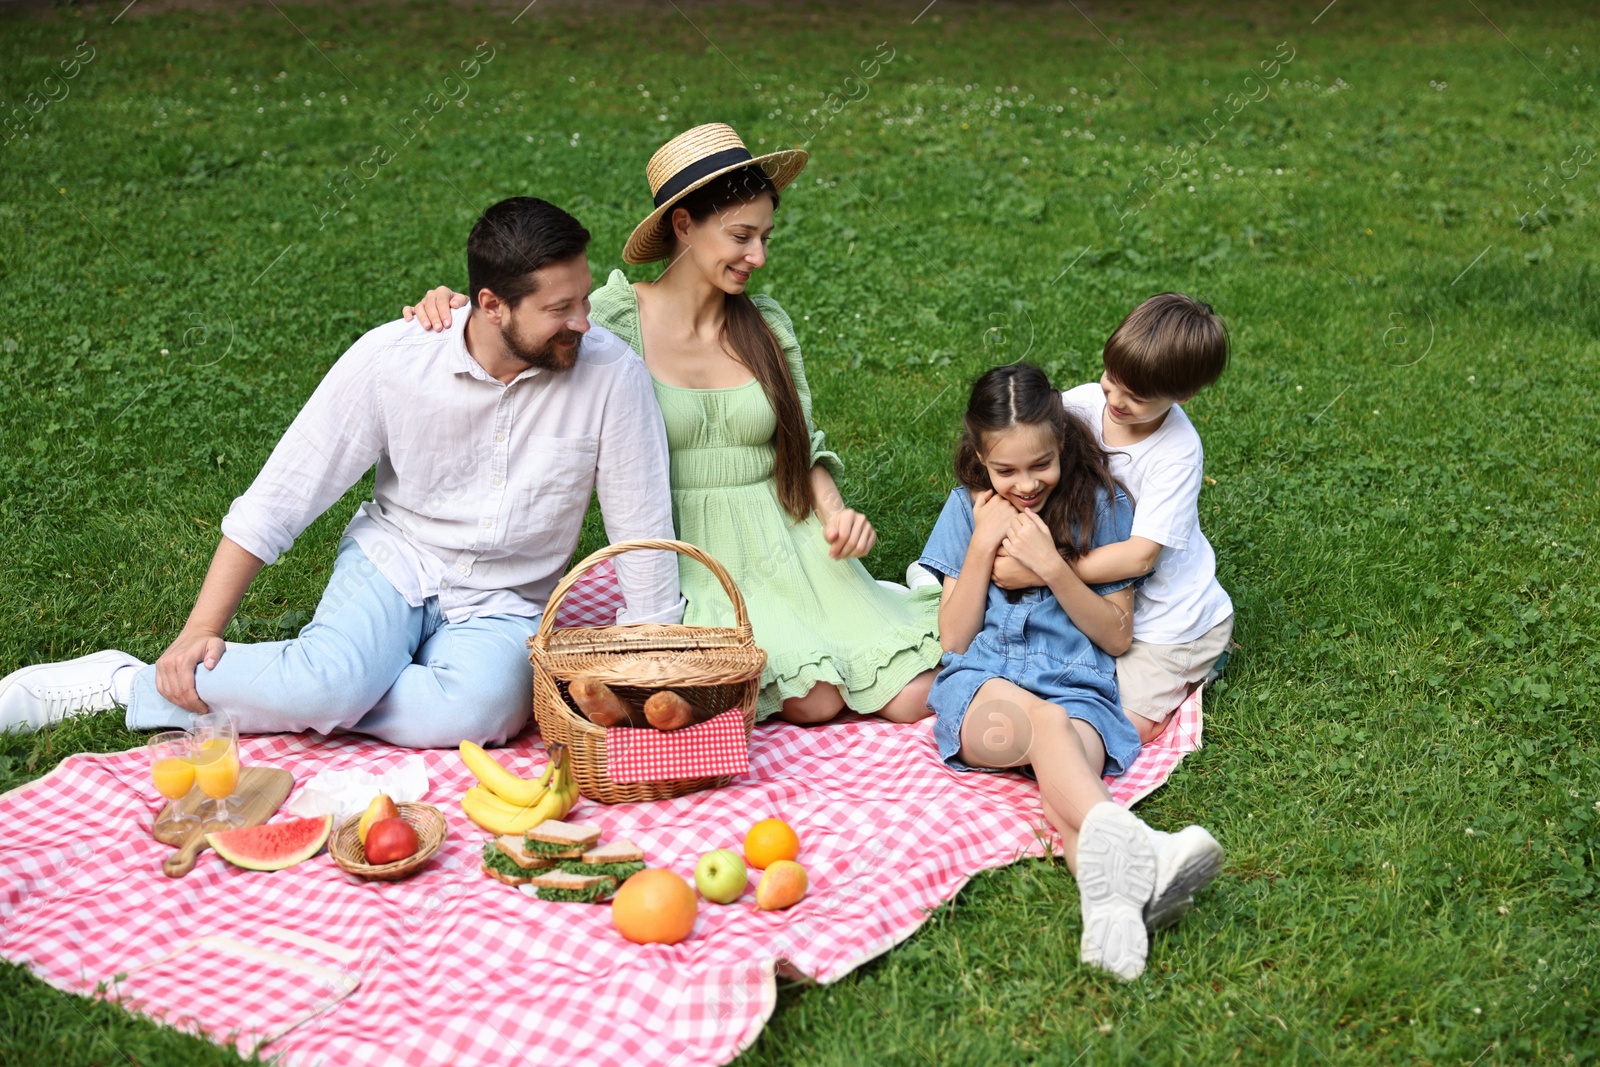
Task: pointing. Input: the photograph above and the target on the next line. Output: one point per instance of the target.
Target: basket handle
(742, 628)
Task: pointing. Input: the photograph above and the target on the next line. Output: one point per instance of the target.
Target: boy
(1166, 350)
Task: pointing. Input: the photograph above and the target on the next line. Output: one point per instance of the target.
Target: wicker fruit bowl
(345, 845)
(714, 668)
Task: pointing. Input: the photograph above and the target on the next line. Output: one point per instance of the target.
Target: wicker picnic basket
(714, 667)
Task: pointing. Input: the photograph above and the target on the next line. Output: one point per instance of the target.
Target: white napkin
(343, 794)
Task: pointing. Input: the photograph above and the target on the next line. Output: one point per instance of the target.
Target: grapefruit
(272, 846)
(655, 906)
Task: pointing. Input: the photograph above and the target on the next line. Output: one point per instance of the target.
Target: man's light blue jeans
(368, 662)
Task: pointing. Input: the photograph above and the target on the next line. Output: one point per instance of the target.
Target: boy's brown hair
(1168, 348)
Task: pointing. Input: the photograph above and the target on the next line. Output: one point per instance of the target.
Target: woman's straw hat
(689, 161)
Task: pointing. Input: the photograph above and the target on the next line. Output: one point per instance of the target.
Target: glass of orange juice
(172, 771)
(216, 763)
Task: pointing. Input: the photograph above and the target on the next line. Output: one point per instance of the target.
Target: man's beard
(558, 353)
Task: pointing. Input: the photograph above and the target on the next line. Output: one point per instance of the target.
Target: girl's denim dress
(1031, 642)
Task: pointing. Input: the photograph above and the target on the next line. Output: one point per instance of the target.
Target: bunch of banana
(506, 804)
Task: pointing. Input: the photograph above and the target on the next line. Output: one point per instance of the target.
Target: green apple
(721, 876)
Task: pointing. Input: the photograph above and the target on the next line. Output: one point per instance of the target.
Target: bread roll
(601, 706)
(667, 710)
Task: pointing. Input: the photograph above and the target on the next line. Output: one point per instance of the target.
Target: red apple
(389, 840)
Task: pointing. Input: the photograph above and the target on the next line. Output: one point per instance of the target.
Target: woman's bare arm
(849, 534)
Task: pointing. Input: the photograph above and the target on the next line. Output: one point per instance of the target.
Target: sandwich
(504, 861)
(614, 852)
(515, 847)
(565, 886)
(619, 871)
(557, 840)
(562, 861)
(619, 859)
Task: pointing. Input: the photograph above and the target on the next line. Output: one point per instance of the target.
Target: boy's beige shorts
(1154, 679)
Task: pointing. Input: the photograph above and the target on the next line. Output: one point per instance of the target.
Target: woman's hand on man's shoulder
(432, 312)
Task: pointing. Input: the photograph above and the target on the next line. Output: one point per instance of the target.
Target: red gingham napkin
(706, 750)
(593, 600)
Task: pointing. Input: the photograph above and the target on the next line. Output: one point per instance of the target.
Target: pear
(782, 885)
(380, 808)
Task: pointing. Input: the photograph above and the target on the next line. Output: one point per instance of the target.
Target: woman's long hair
(1020, 394)
(755, 345)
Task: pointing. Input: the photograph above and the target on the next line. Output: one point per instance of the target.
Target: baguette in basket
(663, 709)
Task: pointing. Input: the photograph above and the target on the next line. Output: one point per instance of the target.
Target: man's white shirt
(481, 487)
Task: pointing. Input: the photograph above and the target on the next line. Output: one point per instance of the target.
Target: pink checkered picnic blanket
(195, 988)
(593, 600)
(453, 968)
(705, 750)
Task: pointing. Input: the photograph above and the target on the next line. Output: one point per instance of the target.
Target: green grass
(1402, 759)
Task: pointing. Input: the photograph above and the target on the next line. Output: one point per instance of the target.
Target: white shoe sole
(1197, 859)
(1116, 875)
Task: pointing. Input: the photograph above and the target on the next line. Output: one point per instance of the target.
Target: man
(488, 439)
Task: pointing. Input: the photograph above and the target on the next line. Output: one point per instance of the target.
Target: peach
(783, 885)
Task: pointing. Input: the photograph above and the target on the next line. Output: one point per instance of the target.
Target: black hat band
(700, 168)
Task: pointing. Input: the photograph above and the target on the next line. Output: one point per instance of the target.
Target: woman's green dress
(818, 619)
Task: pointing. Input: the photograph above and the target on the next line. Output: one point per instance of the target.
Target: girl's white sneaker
(1186, 862)
(1116, 876)
(918, 576)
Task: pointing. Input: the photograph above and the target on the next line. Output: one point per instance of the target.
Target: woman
(751, 482)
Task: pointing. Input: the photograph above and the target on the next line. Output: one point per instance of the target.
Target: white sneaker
(48, 692)
(1186, 862)
(918, 576)
(1116, 875)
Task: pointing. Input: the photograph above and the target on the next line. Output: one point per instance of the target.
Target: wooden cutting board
(261, 792)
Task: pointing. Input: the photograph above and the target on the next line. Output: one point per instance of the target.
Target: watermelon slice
(272, 846)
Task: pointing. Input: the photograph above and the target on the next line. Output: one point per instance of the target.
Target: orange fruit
(655, 906)
(769, 841)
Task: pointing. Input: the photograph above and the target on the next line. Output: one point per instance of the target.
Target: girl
(751, 481)
(1029, 678)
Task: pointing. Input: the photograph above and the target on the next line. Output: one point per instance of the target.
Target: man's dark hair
(514, 238)
(1168, 348)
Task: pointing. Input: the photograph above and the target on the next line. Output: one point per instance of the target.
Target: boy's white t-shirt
(1182, 599)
